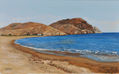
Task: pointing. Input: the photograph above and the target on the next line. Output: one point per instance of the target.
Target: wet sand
(26, 60)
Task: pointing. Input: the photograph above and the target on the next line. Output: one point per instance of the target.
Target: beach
(16, 59)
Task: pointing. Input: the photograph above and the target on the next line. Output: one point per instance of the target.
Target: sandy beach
(15, 59)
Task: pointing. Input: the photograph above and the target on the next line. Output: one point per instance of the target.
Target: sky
(103, 14)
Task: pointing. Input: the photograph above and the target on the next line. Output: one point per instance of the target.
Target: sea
(102, 47)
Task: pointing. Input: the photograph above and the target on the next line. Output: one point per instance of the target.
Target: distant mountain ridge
(62, 27)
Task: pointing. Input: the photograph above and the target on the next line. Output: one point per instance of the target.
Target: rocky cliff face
(30, 28)
(74, 26)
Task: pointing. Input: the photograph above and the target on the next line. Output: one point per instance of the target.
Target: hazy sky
(101, 13)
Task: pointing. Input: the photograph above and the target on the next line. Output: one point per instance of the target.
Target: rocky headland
(75, 26)
(62, 27)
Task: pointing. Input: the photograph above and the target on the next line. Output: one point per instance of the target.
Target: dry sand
(14, 61)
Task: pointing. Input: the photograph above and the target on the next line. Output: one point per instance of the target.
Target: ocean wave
(97, 52)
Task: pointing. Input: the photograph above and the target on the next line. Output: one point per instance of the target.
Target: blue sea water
(101, 46)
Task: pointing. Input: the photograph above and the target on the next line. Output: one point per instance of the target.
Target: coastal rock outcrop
(74, 26)
(96, 30)
(30, 28)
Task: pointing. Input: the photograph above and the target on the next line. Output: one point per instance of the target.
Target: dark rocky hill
(74, 26)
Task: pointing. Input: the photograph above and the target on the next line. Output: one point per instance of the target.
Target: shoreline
(16, 59)
(98, 57)
(94, 66)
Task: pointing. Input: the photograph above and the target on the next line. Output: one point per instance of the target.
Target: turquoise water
(101, 47)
